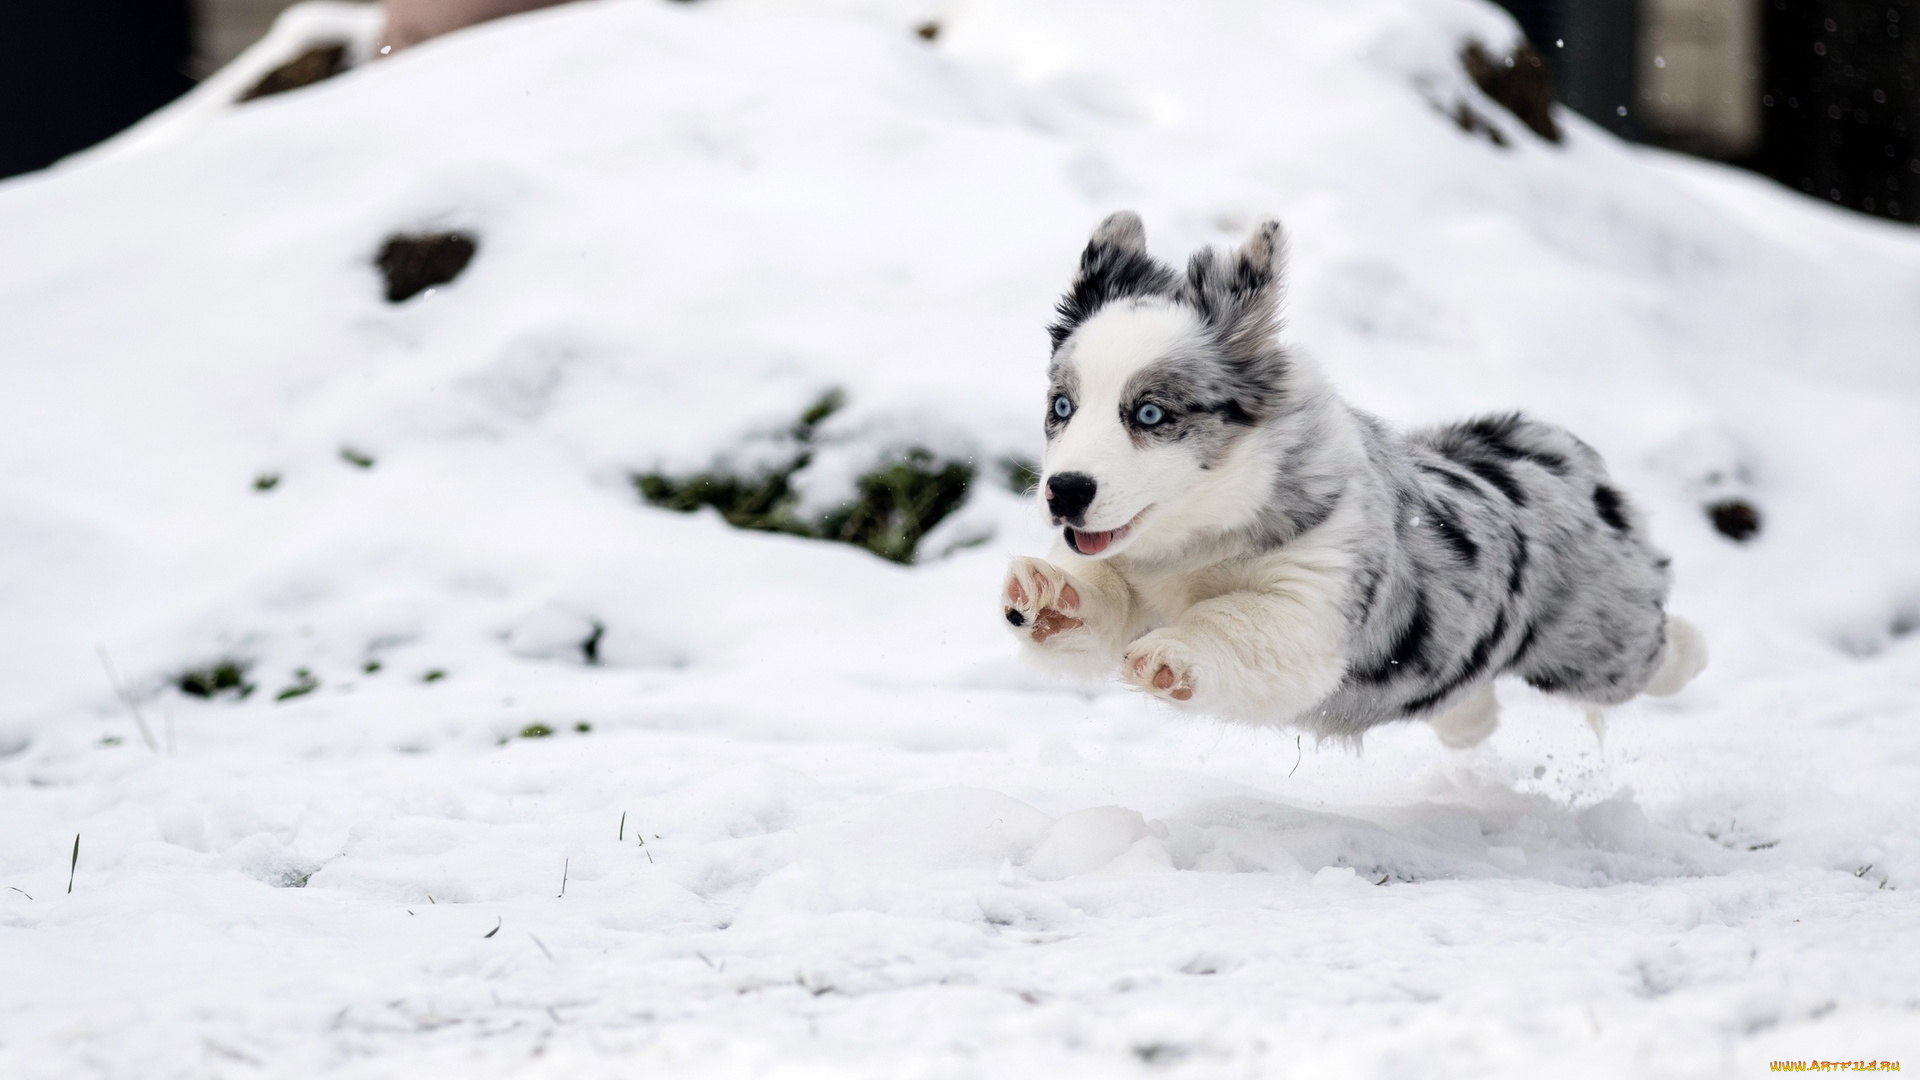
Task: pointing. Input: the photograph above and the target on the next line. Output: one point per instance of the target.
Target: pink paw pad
(1165, 680)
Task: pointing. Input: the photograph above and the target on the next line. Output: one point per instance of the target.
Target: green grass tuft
(357, 459)
(535, 731)
(220, 677)
(433, 675)
(893, 508)
(826, 405)
(899, 504)
(266, 481)
(303, 684)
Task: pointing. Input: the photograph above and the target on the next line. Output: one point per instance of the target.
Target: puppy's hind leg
(1470, 720)
(1683, 657)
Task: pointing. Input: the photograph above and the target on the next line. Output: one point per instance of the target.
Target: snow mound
(538, 779)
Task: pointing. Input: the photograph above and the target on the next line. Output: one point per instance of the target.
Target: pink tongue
(1091, 543)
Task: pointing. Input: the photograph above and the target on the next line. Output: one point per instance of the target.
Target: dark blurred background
(73, 72)
(1821, 95)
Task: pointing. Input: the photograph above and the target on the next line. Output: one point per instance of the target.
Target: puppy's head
(1157, 381)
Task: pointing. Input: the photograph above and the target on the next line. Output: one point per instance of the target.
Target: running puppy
(1245, 544)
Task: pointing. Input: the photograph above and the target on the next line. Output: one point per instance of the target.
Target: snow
(809, 814)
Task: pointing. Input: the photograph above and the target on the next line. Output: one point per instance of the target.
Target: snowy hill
(808, 814)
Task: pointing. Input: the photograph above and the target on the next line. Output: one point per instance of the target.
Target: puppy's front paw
(1040, 600)
(1161, 665)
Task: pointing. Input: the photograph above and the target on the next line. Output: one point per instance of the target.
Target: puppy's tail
(1684, 657)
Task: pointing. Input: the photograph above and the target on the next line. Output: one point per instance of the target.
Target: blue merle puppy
(1243, 543)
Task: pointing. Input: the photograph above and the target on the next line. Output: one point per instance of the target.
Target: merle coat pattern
(1241, 542)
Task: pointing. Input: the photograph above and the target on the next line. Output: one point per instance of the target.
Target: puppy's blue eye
(1149, 414)
(1062, 407)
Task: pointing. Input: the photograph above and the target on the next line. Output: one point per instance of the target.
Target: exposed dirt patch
(1519, 81)
(317, 64)
(1736, 519)
(412, 264)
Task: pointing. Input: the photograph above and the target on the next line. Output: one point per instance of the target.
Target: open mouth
(1093, 543)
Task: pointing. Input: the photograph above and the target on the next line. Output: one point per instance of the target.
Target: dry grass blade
(126, 698)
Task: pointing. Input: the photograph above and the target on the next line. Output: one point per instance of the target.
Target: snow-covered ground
(809, 815)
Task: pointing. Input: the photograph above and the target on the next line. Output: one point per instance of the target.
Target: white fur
(1241, 552)
(1468, 723)
(1258, 637)
(1684, 657)
(1158, 486)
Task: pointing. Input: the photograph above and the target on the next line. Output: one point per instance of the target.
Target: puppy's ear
(1238, 295)
(1265, 252)
(1115, 265)
(1122, 230)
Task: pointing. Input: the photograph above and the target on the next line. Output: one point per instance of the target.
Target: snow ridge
(808, 815)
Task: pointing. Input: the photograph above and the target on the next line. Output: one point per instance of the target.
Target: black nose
(1069, 494)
